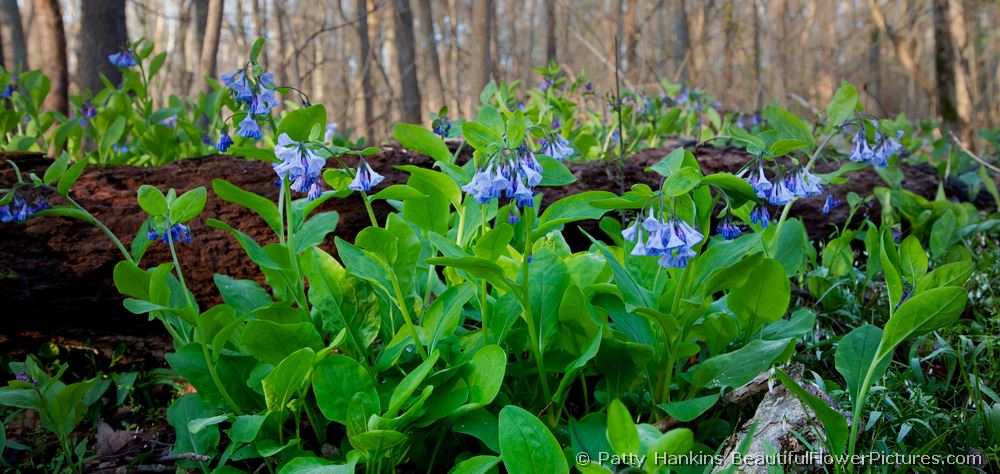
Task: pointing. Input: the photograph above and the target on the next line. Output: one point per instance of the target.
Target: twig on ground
(972, 155)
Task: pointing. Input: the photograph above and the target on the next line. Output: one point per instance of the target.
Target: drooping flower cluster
(365, 178)
(258, 96)
(879, 154)
(672, 240)
(123, 59)
(23, 376)
(512, 174)
(442, 126)
(87, 112)
(760, 216)
(831, 204)
(225, 141)
(19, 209)
(177, 233)
(300, 165)
(557, 147)
(10, 88)
(727, 229)
(169, 122)
(330, 133)
(799, 183)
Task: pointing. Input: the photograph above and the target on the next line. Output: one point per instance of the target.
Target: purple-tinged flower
(545, 84)
(589, 87)
(366, 178)
(727, 229)
(151, 233)
(512, 217)
(225, 141)
(176, 234)
(263, 103)
(240, 85)
(442, 127)
(206, 139)
(805, 184)
(5, 214)
(23, 376)
(629, 233)
(9, 90)
(315, 190)
(122, 59)
(169, 122)
(676, 259)
(831, 204)
(759, 182)
(760, 216)
(299, 164)
(87, 111)
(780, 194)
(330, 133)
(556, 123)
(249, 128)
(558, 147)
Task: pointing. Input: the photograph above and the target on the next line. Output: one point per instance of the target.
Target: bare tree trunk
(944, 62)
(875, 65)
(902, 51)
(213, 28)
(482, 24)
(259, 11)
(681, 46)
(365, 59)
(47, 51)
(631, 39)
(280, 67)
(15, 55)
(962, 65)
(102, 32)
(551, 51)
(407, 60)
(758, 86)
(432, 63)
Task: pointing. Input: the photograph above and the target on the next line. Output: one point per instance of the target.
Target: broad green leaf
(482, 138)
(287, 378)
(912, 259)
(436, 179)
(763, 298)
(494, 244)
(788, 125)
(398, 192)
(679, 183)
(572, 208)
(419, 139)
(952, 274)
(622, 433)
(152, 200)
(785, 146)
(264, 207)
(313, 465)
(335, 380)
(259, 336)
(890, 268)
(843, 104)
(409, 384)
(855, 356)
(941, 233)
(554, 172)
(669, 164)
(481, 464)
(922, 313)
(833, 422)
(188, 205)
(688, 410)
(299, 123)
(315, 230)
(738, 190)
(527, 446)
(736, 368)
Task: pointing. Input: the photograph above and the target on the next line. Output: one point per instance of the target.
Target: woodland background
(376, 62)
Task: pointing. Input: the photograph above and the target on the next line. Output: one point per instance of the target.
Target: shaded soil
(55, 273)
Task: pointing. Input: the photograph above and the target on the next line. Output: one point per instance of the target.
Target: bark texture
(15, 55)
(47, 51)
(406, 58)
(102, 32)
(210, 46)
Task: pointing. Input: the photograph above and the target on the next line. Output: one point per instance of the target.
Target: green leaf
(554, 172)
(527, 446)
(261, 205)
(855, 356)
(398, 192)
(669, 164)
(890, 268)
(256, 48)
(681, 182)
(515, 128)
(788, 125)
(419, 139)
(475, 266)
(941, 233)
(687, 410)
(952, 274)
(736, 368)
(259, 336)
(494, 243)
(313, 465)
(152, 201)
(843, 104)
(484, 374)
(288, 378)
(438, 180)
(298, 124)
(56, 169)
(763, 299)
(315, 230)
(785, 146)
(912, 259)
(112, 134)
(833, 422)
(622, 433)
(68, 179)
(575, 207)
(738, 190)
(188, 205)
(335, 380)
(481, 464)
(922, 313)
(154, 66)
(482, 138)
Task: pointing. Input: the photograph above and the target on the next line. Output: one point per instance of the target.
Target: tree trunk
(47, 51)
(631, 39)
(962, 67)
(944, 62)
(482, 24)
(681, 45)
(758, 86)
(432, 63)
(102, 32)
(259, 11)
(407, 61)
(15, 55)
(210, 47)
(551, 52)
(365, 60)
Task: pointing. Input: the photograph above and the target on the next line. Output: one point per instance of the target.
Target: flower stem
(368, 207)
(533, 333)
(401, 303)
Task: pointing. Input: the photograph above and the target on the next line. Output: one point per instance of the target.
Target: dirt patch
(55, 273)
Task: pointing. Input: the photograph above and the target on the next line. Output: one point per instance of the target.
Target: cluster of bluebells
(512, 174)
(442, 126)
(365, 178)
(123, 58)
(727, 229)
(19, 209)
(831, 204)
(87, 112)
(672, 239)
(879, 153)
(556, 145)
(783, 190)
(300, 165)
(259, 99)
(23, 376)
(176, 233)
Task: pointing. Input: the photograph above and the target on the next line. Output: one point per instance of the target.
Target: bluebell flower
(249, 128)
(830, 204)
(225, 141)
(521, 106)
(120, 148)
(442, 127)
(9, 90)
(672, 239)
(122, 59)
(206, 139)
(5, 214)
(365, 178)
(330, 133)
(151, 233)
(558, 147)
(177, 233)
(885, 147)
(677, 258)
(545, 84)
(780, 194)
(513, 176)
(169, 122)
(239, 84)
(760, 216)
(616, 136)
(759, 182)
(804, 184)
(299, 164)
(524, 195)
(512, 217)
(727, 229)
(263, 103)
(556, 123)
(315, 190)
(22, 376)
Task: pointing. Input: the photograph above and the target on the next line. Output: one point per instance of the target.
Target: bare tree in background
(407, 59)
(365, 63)
(482, 66)
(12, 36)
(102, 32)
(47, 51)
(210, 47)
(944, 72)
(551, 52)
(681, 45)
(432, 63)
